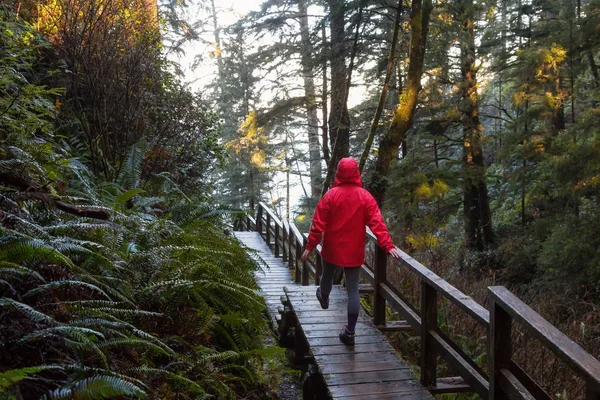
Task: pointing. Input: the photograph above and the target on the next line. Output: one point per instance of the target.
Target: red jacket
(341, 216)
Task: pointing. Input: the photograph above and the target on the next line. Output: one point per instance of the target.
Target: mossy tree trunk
(311, 103)
(403, 117)
(476, 207)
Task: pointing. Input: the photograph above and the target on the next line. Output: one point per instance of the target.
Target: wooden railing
(507, 380)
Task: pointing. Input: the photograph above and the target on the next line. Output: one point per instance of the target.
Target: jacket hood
(347, 173)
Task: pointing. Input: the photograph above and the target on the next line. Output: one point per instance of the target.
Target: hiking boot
(347, 337)
(324, 303)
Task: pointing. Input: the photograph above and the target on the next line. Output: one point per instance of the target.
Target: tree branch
(32, 191)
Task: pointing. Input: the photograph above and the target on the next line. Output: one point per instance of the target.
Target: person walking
(339, 221)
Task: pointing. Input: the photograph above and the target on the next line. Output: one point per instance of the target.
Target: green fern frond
(73, 337)
(10, 165)
(8, 288)
(8, 268)
(25, 226)
(27, 311)
(130, 342)
(128, 195)
(124, 327)
(9, 378)
(85, 370)
(78, 226)
(84, 178)
(65, 284)
(88, 303)
(222, 356)
(28, 159)
(159, 287)
(25, 251)
(97, 387)
(81, 334)
(240, 371)
(131, 170)
(120, 312)
(145, 370)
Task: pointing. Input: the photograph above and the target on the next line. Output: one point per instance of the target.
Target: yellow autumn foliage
(422, 241)
(251, 141)
(426, 191)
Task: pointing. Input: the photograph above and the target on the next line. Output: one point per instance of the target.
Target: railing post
(248, 224)
(276, 240)
(259, 220)
(428, 324)
(305, 276)
(290, 247)
(283, 243)
(298, 274)
(318, 268)
(500, 348)
(268, 231)
(380, 277)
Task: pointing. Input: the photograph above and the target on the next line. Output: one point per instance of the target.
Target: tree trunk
(324, 98)
(594, 68)
(217, 32)
(384, 90)
(311, 103)
(477, 214)
(339, 120)
(403, 117)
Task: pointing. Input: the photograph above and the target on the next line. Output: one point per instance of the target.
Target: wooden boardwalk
(371, 369)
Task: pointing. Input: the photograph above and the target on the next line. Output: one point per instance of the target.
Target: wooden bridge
(372, 369)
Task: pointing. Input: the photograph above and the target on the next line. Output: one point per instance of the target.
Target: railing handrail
(556, 341)
(455, 296)
(297, 235)
(271, 213)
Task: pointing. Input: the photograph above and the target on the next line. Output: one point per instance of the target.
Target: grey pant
(352, 274)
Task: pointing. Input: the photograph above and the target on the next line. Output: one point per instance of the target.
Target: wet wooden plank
(322, 313)
(335, 341)
(343, 349)
(333, 318)
(315, 332)
(363, 366)
(389, 396)
(361, 389)
(333, 326)
(357, 358)
(394, 375)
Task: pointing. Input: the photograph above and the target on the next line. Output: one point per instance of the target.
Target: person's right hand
(305, 255)
(395, 252)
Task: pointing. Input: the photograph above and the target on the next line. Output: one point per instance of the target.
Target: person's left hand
(305, 255)
(395, 252)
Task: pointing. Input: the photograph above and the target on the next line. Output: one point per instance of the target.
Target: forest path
(371, 369)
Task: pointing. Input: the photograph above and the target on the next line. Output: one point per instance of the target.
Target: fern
(146, 370)
(25, 251)
(9, 378)
(131, 170)
(27, 311)
(130, 342)
(65, 284)
(97, 387)
(80, 334)
(8, 268)
(26, 226)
